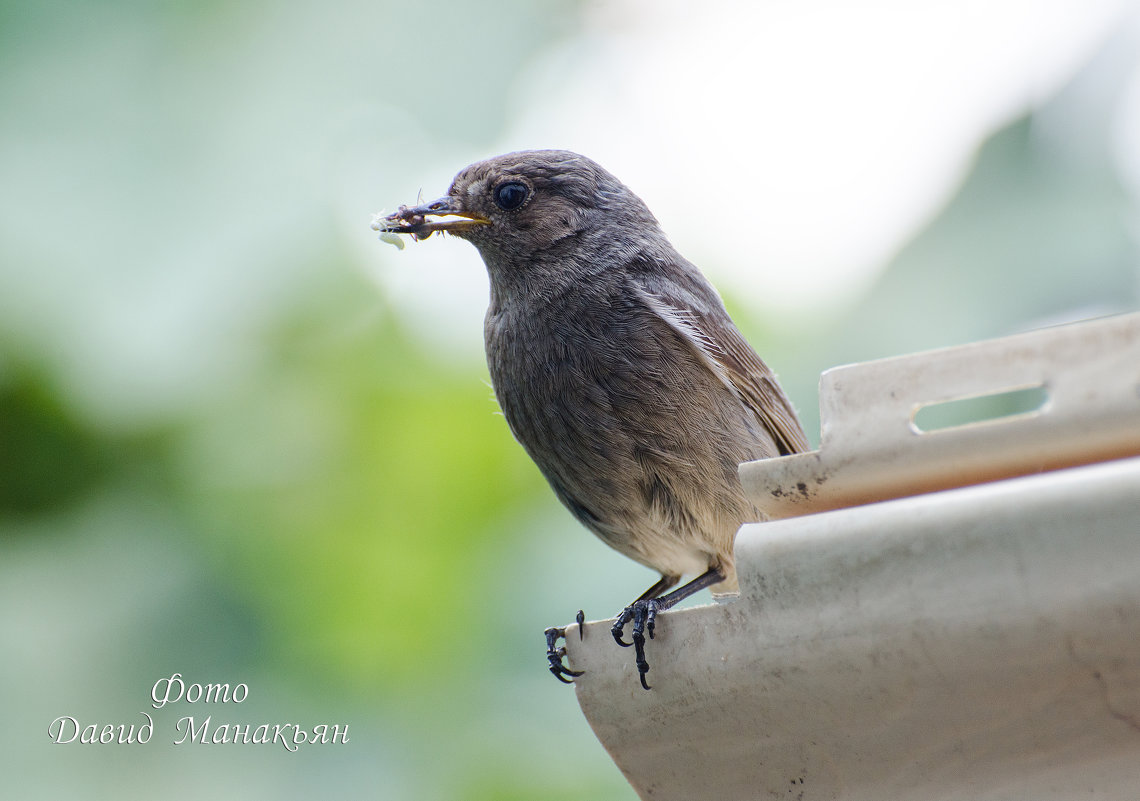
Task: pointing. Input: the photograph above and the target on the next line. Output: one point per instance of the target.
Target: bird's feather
(735, 364)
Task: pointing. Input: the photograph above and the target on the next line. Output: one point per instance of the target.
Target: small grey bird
(617, 368)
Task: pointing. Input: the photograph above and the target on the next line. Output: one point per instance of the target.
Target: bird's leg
(662, 584)
(643, 612)
(555, 653)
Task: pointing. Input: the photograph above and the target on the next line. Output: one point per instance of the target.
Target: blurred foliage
(51, 457)
(354, 465)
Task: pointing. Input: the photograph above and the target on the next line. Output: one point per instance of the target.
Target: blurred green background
(242, 440)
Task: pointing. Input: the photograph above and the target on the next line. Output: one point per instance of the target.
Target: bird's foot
(643, 613)
(555, 653)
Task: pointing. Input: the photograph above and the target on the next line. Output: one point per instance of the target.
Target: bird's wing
(723, 349)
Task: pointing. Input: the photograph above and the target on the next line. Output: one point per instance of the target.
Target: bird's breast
(549, 368)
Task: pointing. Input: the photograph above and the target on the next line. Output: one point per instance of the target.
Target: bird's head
(525, 206)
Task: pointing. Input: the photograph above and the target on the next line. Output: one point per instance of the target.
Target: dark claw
(643, 613)
(581, 618)
(646, 612)
(560, 671)
(555, 654)
(618, 628)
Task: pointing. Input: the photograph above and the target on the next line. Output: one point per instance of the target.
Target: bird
(618, 370)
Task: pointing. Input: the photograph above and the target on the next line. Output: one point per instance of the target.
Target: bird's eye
(510, 195)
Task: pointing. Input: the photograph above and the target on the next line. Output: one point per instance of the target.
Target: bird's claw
(556, 653)
(643, 613)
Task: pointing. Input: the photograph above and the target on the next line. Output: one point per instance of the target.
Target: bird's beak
(445, 214)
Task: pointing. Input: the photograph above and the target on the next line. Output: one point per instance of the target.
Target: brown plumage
(616, 366)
